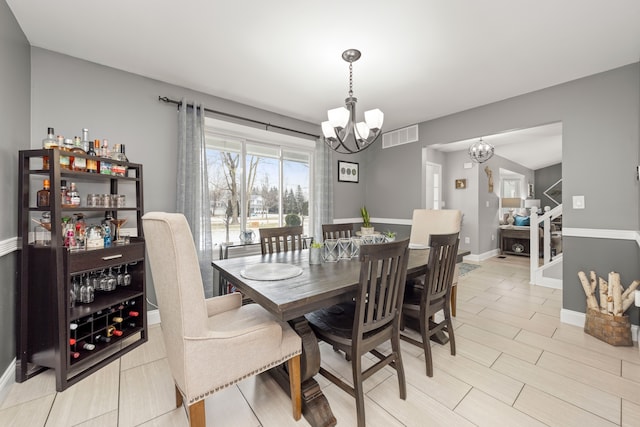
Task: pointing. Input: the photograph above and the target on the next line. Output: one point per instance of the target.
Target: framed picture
(348, 172)
(461, 184)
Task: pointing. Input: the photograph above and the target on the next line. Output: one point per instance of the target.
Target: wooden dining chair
(437, 221)
(357, 328)
(421, 304)
(212, 343)
(337, 231)
(280, 239)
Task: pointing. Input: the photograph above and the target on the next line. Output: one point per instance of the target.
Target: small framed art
(461, 184)
(348, 172)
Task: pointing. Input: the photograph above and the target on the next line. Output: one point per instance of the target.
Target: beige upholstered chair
(436, 221)
(211, 343)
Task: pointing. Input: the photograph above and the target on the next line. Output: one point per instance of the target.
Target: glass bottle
(86, 143)
(43, 196)
(74, 195)
(64, 193)
(105, 165)
(48, 143)
(92, 164)
(79, 163)
(65, 160)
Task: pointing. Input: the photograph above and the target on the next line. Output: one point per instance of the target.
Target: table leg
(315, 407)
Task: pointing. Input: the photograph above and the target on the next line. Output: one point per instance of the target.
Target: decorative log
(604, 286)
(616, 291)
(591, 299)
(632, 287)
(627, 302)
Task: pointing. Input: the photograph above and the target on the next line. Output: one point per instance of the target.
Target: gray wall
(600, 148)
(545, 178)
(70, 94)
(14, 123)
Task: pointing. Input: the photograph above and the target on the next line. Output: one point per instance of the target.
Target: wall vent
(400, 137)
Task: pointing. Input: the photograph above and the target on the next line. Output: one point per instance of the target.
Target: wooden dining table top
(318, 286)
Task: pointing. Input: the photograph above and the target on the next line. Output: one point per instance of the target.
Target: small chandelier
(342, 123)
(481, 151)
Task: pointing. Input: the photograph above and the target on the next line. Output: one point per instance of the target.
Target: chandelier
(341, 123)
(481, 151)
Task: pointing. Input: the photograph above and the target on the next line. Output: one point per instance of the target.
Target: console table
(516, 240)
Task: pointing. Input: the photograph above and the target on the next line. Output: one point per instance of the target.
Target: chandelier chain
(350, 79)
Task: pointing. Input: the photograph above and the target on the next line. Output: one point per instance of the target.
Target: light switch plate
(578, 202)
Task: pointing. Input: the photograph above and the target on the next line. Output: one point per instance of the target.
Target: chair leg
(295, 386)
(426, 344)
(178, 397)
(452, 339)
(454, 297)
(358, 388)
(196, 415)
(395, 347)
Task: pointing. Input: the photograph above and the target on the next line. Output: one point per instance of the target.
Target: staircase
(551, 265)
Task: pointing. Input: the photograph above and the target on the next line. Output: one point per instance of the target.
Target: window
(433, 185)
(257, 183)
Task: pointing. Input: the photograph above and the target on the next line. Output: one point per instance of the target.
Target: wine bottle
(117, 319)
(102, 338)
(74, 354)
(86, 345)
(72, 341)
(73, 326)
(110, 330)
(134, 314)
(117, 333)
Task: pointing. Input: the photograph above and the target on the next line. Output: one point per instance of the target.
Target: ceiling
(422, 60)
(534, 148)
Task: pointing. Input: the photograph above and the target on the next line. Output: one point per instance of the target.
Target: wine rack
(76, 338)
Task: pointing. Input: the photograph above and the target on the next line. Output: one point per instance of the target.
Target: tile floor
(517, 365)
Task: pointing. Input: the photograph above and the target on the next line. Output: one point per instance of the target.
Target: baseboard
(9, 245)
(549, 282)
(153, 317)
(577, 318)
(7, 379)
(483, 256)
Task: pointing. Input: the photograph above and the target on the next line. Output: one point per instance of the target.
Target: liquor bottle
(86, 143)
(118, 169)
(48, 143)
(43, 196)
(92, 164)
(105, 164)
(64, 193)
(74, 195)
(86, 346)
(65, 160)
(79, 163)
(123, 156)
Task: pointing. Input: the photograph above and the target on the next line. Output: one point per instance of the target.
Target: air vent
(400, 137)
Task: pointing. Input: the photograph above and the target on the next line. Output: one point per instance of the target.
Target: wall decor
(348, 172)
(461, 184)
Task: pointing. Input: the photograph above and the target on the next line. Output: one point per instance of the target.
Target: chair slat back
(443, 250)
(383, 272)
(337, 231)
(280, 239)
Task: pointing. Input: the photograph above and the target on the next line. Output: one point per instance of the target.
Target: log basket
(614, 330)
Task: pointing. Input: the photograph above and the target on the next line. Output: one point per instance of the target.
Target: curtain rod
(266, 125)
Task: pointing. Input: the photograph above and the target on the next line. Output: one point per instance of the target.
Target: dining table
(287, 286)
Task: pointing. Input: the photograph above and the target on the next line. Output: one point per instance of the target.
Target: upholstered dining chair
(422, 304)
(357, 328)
(211, 343)
(436, 221)
(280, 239)
(337, 231)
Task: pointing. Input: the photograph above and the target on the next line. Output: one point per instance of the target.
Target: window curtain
(323, 206)
(192, 187)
